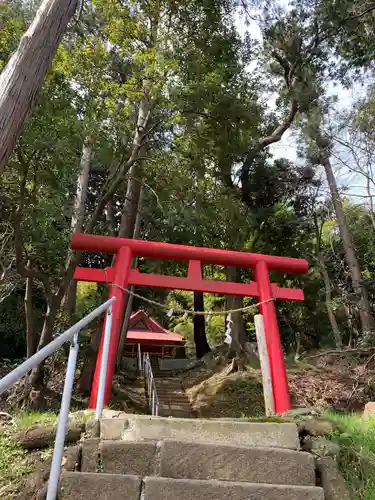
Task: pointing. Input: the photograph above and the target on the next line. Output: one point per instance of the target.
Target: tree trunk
(30, 332)
(129, 304)
(134, 184)
(37, 374)
(87, 374)
(78, 218)
(131, 203)
(238, 332)
(371, 200)
(40, 436)
(242, 351)
(200, 339)
(327, 282)
(331, 315)
(363, 305)
(111, 220)
(24, 75)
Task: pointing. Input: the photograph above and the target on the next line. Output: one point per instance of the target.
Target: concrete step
(86, 486)
(119, 457)
(236, 463)
(235, 433)
(174, 459)
(187, 489)
(176, 413)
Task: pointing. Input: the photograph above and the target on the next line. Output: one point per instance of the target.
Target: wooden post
(265, 365)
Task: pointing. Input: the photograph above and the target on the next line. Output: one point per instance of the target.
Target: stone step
(175, 413)
(147, 428)
(174, 459)
(187, 489)
(236, 463)
(86, 486)
(120, 457)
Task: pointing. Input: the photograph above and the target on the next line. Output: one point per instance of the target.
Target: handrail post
(139, 359)
(58, 451)
(104, 365)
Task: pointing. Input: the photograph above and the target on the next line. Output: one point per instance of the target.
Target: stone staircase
(173, 402)
(138, 457)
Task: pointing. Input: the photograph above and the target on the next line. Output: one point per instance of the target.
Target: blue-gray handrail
(70, 335)
(153, 399)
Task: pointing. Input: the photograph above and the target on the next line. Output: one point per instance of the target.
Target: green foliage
(14, 463)
(24, 420)
(356, 438)
(208, 116)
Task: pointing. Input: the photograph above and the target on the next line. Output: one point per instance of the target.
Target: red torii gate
(121, 275)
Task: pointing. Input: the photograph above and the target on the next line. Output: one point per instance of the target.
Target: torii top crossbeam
(157, 250)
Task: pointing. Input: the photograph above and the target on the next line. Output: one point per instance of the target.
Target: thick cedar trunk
(30, 332)
(363, 305)
(238, 332)
(24, 74)
(134, 184)
(239, 348)
(130, 224)
(200, 339)
(78, 218)
(131, 203)
(129, 304)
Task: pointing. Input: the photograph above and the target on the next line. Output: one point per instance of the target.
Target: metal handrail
(153, 399)
(69, 335)
(139, 356)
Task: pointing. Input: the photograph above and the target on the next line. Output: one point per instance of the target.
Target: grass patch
(239, 395)
(23, 420)
(270, 420)
(356, 438)
(14, 465)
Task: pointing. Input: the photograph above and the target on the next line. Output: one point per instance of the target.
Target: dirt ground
(337, 381)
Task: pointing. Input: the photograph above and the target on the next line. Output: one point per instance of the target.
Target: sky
(352, 183)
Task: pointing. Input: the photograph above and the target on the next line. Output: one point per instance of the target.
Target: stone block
(90, 455)
(81, 486)
(275, 435)
(334, 485)
(187, 489)
(92, 429)
(236, 463)
(369, 411)
(113, 428)
(121, 457)
(316, 427)
(71, 458)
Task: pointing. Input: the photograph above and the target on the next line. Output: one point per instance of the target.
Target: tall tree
(324, 145)
(25, 72)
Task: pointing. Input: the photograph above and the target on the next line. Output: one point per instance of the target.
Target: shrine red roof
(145, 330)
(153, 337)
